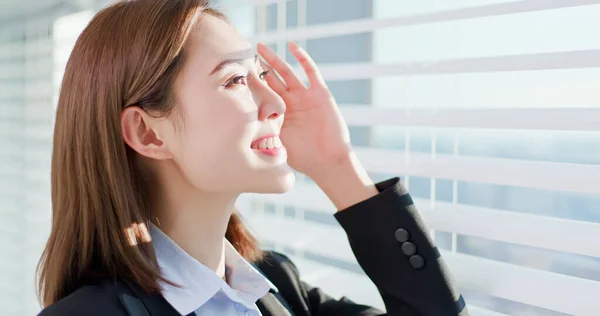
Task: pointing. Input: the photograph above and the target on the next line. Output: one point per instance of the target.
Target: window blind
(35, 42)
(26, 117)
(488, 110)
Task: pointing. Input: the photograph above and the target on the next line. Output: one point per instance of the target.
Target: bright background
(488, 109)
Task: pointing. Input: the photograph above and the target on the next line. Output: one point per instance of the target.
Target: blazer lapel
(145, 304)
(133, 305)
(270, 305)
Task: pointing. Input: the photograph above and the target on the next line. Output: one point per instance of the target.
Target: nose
(270, 104)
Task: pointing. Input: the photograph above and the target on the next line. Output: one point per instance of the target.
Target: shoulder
(277, 260)
(90, 300)
(278, 267)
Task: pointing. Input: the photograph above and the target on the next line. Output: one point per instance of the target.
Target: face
(228, 140)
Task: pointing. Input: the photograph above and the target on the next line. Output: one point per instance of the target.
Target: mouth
(268, 145)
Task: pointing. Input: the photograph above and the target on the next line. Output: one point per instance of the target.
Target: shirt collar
(198, 284)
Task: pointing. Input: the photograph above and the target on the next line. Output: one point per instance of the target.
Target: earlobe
(139, 130)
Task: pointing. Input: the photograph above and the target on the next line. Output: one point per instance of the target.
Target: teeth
(268, 143)
(263, 144)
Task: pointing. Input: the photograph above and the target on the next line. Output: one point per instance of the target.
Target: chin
(285, 183)
(277, 185)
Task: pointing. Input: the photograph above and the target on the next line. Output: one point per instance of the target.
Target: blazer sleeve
(391, 244)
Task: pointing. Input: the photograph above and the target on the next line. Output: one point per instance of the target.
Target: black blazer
(388, 239)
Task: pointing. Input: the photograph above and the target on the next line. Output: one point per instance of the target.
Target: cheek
(219, 125)
(215, 141)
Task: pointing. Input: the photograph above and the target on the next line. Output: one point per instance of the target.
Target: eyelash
(232, 81)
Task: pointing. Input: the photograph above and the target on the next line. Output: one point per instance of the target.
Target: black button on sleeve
(416, 262)
(401, 235)
(409, 248)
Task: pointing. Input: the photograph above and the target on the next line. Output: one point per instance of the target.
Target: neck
(195, 220)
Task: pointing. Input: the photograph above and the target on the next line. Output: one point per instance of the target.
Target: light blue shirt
(202, 291)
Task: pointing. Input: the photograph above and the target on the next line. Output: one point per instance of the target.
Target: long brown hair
(129, 55)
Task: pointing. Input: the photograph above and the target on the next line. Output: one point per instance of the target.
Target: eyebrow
(234, 60)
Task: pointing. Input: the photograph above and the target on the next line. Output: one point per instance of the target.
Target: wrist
(344, 181)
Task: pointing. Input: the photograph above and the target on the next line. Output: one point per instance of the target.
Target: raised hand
(314, 132)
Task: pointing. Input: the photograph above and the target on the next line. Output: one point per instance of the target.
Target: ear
(140, 132)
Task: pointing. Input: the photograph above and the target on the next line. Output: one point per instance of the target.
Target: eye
(264, 74)
(237, 80)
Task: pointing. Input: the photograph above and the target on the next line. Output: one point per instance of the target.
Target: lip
(271, 152)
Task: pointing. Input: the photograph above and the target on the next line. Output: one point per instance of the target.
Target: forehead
(212, 40)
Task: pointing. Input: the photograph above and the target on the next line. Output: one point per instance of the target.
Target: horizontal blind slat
(567, 177)
(528, 62)
(578, 119)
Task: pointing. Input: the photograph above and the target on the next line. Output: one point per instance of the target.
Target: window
(488, 109)
(26, 125)
(489, 112)
(33, 54)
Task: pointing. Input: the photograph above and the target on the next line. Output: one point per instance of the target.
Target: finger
(284, 69)
(308, 64)
(276, 84)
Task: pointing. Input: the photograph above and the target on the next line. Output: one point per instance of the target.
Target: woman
(165, 117)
